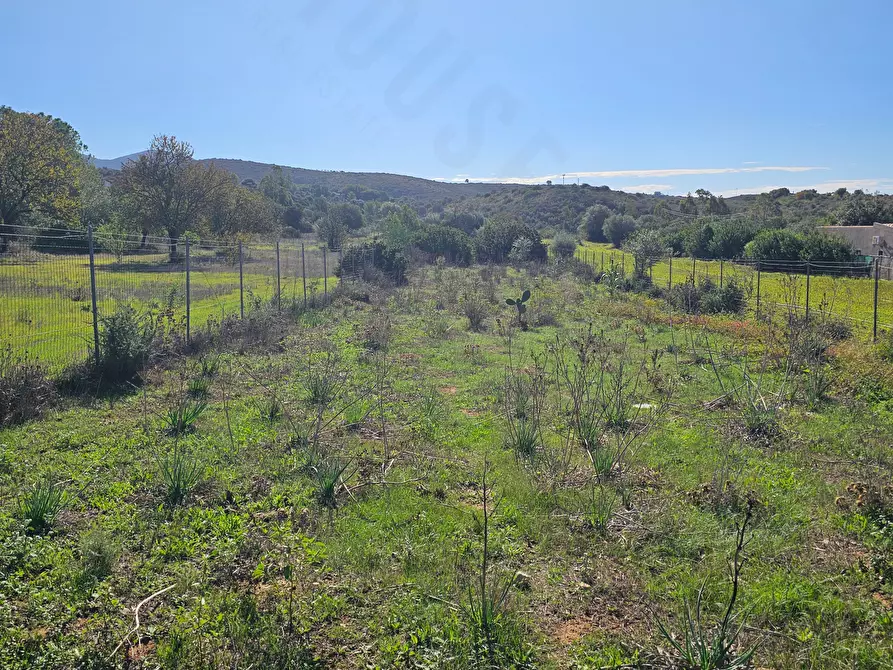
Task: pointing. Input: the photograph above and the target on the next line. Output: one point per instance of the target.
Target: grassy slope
(369, 586)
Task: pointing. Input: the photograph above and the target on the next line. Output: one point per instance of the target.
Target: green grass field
(333, 515)
(47, 298)
(847, 298)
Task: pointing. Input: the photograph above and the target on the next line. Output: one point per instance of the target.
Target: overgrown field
(428, 477)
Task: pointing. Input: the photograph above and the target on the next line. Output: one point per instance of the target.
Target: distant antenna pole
(562, 179)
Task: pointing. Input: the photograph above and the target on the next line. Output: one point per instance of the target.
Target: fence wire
(860, 293)
(45, 284)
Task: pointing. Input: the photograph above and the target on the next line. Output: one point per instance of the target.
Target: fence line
(804, 285)
(58, 285)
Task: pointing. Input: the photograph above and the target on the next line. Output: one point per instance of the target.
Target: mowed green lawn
(46, 299)
(848, 298)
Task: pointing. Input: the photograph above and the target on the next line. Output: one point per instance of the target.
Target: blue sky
(644, 96)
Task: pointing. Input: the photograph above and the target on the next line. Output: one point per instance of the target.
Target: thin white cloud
(646, 188)
(637, 174)
(884, 185)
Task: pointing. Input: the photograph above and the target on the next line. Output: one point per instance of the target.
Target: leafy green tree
(331, 231)
(235, 209)
(698, 238)
(278, 187)
(729, 239)
(863, 210)
(618, 227)
(592, 223)
(466, 221)
(564, 245)
(496, 238)
(400, 226)
(293, 218)
(348, 214)
(688, 205)
(452, 244)
(40, 169)
(168, 190)
(776, 245)
(647, 247)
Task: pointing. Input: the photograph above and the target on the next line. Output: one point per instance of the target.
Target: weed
(602, 503)
(327, 475)
(182, 418)
(474, 307)
(210, 366)
(270, 409)
(199, 387)
(715, 649)
(487, 602)
(25, 390)
(180, 473)
(41, 506)
(98, 553)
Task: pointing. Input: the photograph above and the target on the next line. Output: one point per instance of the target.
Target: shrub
(592, 223)
(496, 238)
(369, 257)
(452, 244)
(25, 391)
(41, 506)
(618, 227)
(475, 309)
(125, 343)
(707, 297)
(564, 245)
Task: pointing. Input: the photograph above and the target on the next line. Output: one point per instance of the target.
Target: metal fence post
(694, 269)
(278, 280)
(304, 274)
(720, 272)
(93, 296)
(241, 284)
(877, 276)
(325, 272)
(759, 272)
(602, 268)
(622, 264)
(807, 290)
(670, 280)
(188, 294)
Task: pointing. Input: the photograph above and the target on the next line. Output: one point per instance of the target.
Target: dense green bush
(465, 221)
(564, 245)
(125, 343)
(452, 244)
(707, 297)
(496, 238)
(375, 261)
(592, 223)
(618, 227)
(789, 246)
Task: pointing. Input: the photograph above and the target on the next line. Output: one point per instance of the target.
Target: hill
(395, 185)
(559, 205)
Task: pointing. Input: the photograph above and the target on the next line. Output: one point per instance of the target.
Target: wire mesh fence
(859, 292)
(58, 285)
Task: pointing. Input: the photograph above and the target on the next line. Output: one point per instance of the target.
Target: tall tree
(169, 190)
(40, 166)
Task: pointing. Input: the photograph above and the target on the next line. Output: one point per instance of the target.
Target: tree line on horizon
(47, 180)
